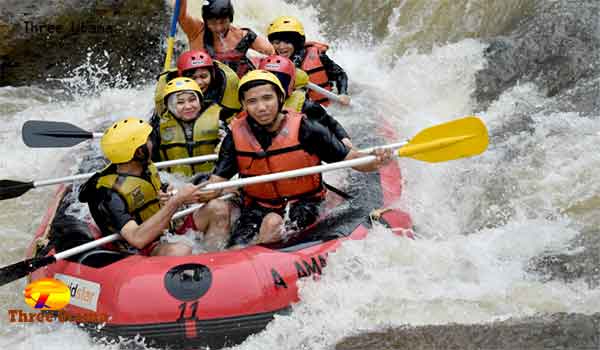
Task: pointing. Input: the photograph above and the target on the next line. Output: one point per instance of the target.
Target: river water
(508, 235)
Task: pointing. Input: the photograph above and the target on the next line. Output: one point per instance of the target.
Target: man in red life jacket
(286, 33)
(270, 140)
(223, 41)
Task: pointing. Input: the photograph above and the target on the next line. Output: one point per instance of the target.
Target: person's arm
(316, 139)
(193, 28)
(226, 166)
(314, 111)
(335, 73)
(263, 46)
(140, 236)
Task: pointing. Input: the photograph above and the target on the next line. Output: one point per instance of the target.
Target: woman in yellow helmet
(188, 128)
(286, 33)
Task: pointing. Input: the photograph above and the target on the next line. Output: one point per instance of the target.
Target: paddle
(453, 140)
(330, 95)
(41, 133)
(23, 268)
(171, 38)
(13, 189)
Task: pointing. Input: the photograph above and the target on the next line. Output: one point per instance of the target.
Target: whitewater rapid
(479, 221)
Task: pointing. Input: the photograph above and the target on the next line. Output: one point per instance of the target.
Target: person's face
(218, 25)
(283, 48)
(203, 78)
(187, 106)
(261, 103)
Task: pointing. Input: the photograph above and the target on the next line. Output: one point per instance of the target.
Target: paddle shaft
(171, 39)
(160, 165)
(169, 163)
(292, 173)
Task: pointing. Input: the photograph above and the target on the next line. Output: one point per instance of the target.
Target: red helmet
(194, 59)
(283, 68)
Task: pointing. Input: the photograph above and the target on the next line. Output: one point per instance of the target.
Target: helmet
(258, 75)
(285, 24)
(217, 9)
(182, 84)
(121, 140)
(194, 59)
(283, 68)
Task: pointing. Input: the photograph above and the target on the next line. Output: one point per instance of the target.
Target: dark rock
(44, 40)
(555, 48)
(558, 331)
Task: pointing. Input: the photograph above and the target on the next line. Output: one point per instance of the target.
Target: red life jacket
(312, 65)
(285, 153)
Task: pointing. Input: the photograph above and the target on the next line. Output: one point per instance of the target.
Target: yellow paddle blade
(459, 138)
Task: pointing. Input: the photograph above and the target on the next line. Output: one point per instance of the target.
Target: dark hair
(293, 38)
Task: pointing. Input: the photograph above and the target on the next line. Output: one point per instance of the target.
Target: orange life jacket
(285, 153)
(312, 65)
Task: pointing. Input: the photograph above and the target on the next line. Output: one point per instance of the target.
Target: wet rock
(558, 331)
(44, 40)
(555, 48)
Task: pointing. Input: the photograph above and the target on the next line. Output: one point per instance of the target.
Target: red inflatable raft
(212, 299)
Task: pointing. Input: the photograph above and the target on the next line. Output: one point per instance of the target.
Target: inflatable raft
(212, 299)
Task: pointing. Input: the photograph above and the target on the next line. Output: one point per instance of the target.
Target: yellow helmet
(285, 24)
(258, 75)
(181, 84)
(120, 141)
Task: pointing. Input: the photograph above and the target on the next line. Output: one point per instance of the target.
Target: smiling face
(187, 106)
(283, 48)
(262, 104)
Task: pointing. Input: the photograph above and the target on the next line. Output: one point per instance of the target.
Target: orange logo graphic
(47, 294)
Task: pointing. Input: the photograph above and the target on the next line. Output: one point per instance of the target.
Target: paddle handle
(193, 208)
(86, 246)
(330, 95)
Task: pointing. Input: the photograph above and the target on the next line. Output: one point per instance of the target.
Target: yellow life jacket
(295, 101)
(230, 95)
(140, 195)
(174, 145)
(301, 79)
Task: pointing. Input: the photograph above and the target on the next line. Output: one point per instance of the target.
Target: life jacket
(295, 101)
(285, 153)
(140, 195)
(228, 96)
(312, 65)
(235, 58)
(174, 145)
